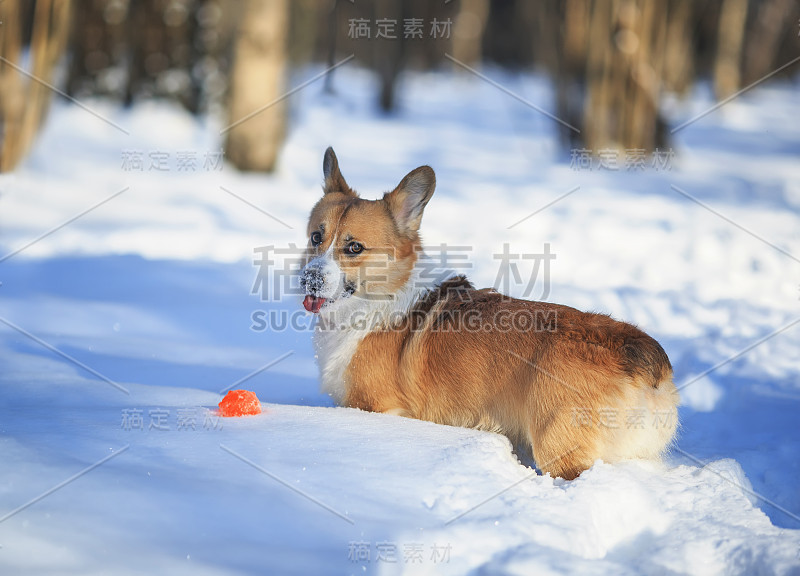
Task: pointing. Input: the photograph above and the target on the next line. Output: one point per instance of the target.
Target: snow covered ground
(119, 330)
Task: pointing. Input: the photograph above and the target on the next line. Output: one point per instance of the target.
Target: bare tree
(730, 40)
(769, 29)
(678, 63)
(256, 109)
(473, 15)
(24, 101)
(388, 53)
(624, 70)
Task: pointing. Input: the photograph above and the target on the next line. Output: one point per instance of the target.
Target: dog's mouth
(313, 303)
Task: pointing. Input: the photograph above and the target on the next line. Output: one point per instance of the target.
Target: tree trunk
(257, 112)
(388, 52)
(678, 57)
(768, 30)
(468, 30)
(561, 42)
(625, 61)
(23, 101)
(727, 76)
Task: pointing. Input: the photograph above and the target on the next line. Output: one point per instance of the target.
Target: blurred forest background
(610, 61)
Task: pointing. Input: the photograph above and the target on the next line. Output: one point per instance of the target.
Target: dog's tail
(645, 360)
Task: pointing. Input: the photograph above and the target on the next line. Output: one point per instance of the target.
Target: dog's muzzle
(313, 281)
(323, 281)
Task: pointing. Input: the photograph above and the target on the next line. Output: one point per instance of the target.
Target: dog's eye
(316, 238)
(354, 248)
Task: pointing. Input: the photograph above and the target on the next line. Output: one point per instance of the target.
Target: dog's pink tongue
(313, 303)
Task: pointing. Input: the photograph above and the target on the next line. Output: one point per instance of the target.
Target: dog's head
(362, 248)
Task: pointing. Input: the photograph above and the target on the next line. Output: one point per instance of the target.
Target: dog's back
(574, 386)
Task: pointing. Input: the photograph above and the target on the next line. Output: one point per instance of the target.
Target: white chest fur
(335, 349)
(344, 325)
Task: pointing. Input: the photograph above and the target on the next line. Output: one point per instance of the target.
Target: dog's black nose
(312, 280)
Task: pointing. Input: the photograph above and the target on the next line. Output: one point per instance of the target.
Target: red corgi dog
(571, 385)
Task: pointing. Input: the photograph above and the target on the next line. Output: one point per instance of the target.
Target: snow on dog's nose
(320, 279)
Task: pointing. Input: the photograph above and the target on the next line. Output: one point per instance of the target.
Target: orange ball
(240, 403)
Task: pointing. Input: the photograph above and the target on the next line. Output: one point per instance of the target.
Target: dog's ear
(408, 200)
(334, 181)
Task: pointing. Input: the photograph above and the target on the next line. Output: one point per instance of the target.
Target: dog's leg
(561, 452)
